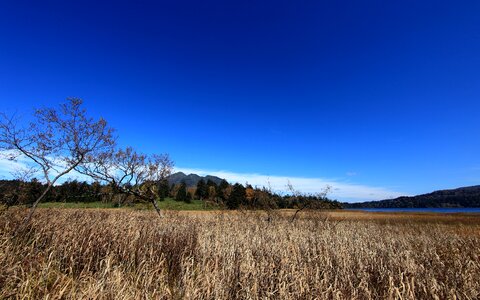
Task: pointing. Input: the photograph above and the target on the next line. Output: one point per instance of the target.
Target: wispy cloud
(8, 167)
(343, 191)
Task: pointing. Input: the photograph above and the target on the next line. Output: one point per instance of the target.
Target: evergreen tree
(163, 189)
(95, 191)
(188, 198)
(211, 183)
(182, 192)
(222, 187)
(202, 190)
(31, 191)
(237, 196)
(173, 190)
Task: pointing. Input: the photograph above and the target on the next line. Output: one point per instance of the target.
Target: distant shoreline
(449, 210)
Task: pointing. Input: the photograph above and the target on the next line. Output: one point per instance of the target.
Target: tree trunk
(49, 186)
(154, 202)
(32, 209)
(295, 214)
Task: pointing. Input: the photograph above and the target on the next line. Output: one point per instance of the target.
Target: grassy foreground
(126, 254)
(168, 203)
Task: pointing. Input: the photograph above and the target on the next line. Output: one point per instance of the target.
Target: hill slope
(191, 179)
(461, 197)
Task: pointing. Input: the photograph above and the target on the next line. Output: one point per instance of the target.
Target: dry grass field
(122, 254)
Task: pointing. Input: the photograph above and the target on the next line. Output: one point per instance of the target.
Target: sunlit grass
(127, 254)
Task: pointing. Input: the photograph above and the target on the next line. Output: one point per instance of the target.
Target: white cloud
(343, 191)
(8, 167)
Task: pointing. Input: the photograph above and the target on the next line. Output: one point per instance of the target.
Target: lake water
(426, 210)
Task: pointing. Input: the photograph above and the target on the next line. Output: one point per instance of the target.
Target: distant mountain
(191, 179)
(461, 197)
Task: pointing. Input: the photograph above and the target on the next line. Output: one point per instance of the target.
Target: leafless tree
(266, 201)
(306, 201)
(129, 172)
(55, 142)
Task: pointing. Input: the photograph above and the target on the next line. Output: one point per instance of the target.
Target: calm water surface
(427, 210)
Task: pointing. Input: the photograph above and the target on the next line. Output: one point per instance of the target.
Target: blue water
(426, 210)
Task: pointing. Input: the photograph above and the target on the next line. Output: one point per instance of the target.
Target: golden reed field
(124, 254)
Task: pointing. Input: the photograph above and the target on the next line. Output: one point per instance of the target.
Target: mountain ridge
(191, 180)
(468, 196)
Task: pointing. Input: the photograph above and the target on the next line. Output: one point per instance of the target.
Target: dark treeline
(237, 196)
(16, 192)
(222, 195)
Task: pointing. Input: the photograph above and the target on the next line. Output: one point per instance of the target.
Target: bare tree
(305, 201)
(265, 200)
(129, 172)
(55, 142)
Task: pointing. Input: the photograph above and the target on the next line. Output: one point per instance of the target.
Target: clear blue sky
(375, 93)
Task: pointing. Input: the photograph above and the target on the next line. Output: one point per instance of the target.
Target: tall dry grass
(111, 254)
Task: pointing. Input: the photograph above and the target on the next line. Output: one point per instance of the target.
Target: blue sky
(379, 95)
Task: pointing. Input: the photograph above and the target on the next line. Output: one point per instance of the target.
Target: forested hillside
(461, 197)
